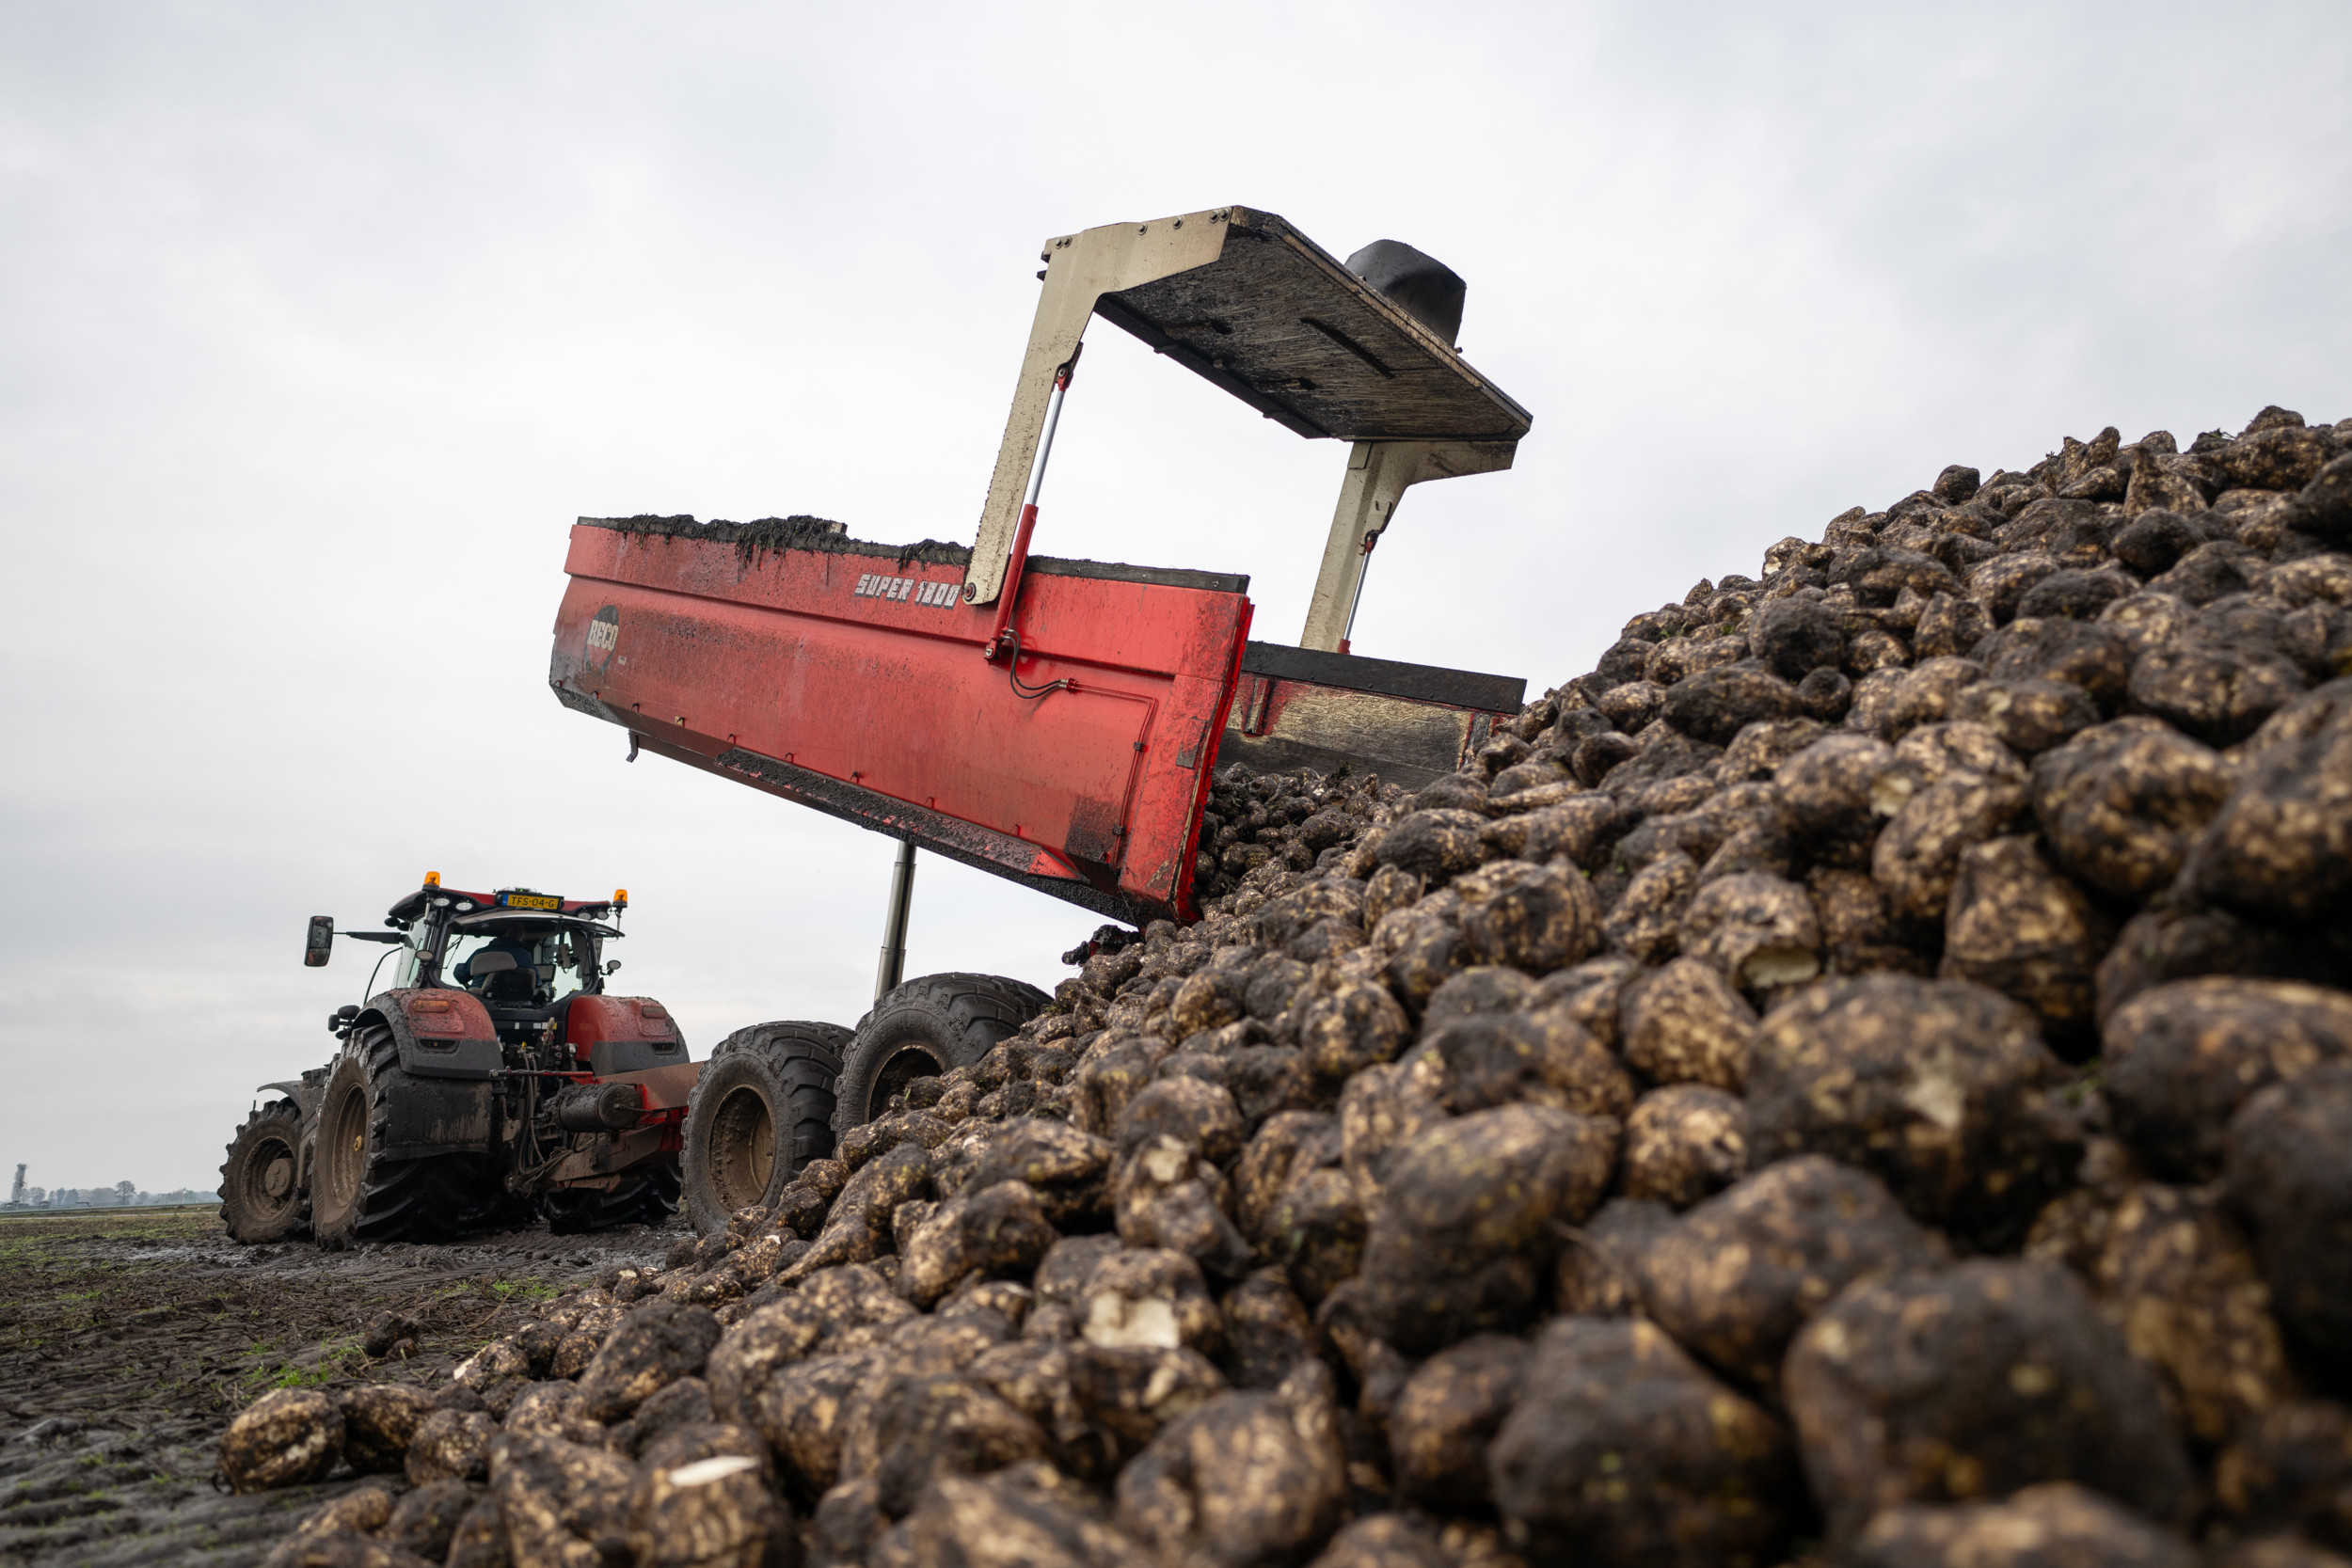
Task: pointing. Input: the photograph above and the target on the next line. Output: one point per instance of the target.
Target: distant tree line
(121, 1195)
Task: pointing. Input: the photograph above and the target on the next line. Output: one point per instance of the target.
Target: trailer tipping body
(1054, 721)
(845, 676)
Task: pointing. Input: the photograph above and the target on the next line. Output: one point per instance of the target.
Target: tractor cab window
(495, 966)
(547, 965)
(396, 968)
(405, 964)
(568, 959)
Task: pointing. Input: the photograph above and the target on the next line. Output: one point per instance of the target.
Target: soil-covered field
(128, 1341)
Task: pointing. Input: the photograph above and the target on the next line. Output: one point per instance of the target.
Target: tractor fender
(609, 1035)
(425, 1115)
(305, 1096)
(304, 1092)
(442, 1033)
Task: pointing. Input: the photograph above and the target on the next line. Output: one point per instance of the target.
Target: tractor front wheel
(262, 1196)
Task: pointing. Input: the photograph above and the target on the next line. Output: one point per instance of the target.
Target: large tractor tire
(358, 1194)
(922, 1029)
(262, 1195)
(649, 1201)
(761, 1108)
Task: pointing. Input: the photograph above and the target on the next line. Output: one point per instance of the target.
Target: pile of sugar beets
(1861, 1077)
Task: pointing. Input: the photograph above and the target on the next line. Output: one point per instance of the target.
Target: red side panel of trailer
(849, 677)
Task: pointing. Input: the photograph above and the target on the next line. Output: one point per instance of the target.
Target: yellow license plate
(531, 901)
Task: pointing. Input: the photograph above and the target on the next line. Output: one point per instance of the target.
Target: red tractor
(491, 1081)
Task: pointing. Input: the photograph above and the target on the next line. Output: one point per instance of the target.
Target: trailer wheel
(761, 1108)
(922, 1029)
(262, 1196)
(359, 1194)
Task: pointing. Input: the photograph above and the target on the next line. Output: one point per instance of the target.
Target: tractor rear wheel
(647, 1201)
(359, 1194)
(922, 1029)
(761, 1108)
(262, 1195)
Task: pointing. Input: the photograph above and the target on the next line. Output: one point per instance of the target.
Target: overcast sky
(319, 325)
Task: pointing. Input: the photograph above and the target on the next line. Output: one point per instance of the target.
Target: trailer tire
(262, 1195)
(761, 1108)
(924, 1028)
(358, 1194)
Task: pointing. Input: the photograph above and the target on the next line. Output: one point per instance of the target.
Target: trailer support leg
(894, 946)
(1379, 473)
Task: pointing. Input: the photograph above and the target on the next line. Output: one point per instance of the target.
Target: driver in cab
(513, 981)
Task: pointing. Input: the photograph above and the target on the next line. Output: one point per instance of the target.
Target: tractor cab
(516, 962)
(525, 955)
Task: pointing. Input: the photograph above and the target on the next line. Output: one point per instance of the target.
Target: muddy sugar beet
(1862, 1075)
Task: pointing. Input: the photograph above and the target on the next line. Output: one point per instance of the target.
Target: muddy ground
(127, 1343)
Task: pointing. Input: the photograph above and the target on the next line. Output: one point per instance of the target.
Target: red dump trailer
(1055, 722)
(847, 676)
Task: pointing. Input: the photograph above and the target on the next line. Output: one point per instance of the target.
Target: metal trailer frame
(1244, 300)
(1073, 755)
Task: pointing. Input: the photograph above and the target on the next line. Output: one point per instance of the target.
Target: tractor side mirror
(611, 965)
(320, 943)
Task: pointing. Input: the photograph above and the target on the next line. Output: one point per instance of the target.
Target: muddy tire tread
(277, 1111)
(802, 1058)
(959, 1015)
